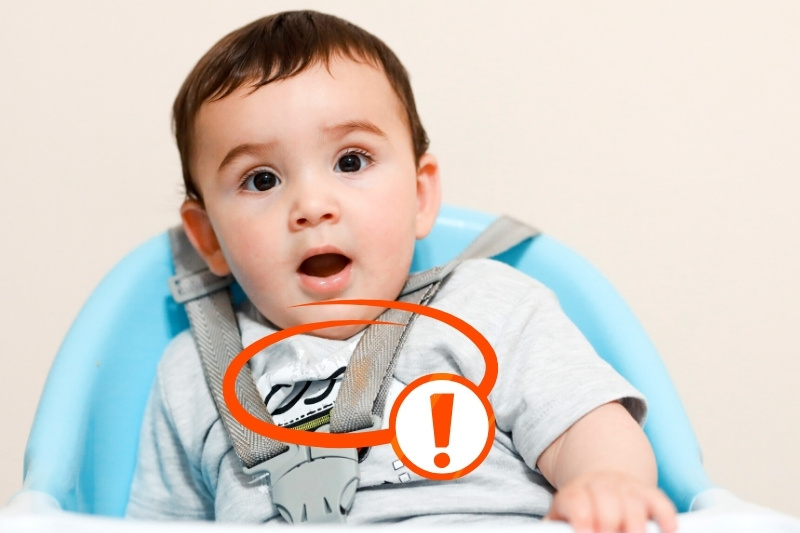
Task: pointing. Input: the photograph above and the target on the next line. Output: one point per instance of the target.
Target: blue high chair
(82, 448)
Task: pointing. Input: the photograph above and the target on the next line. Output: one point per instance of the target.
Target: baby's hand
(605, 502)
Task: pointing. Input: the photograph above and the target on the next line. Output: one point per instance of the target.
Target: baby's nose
(315, 204)
(313, 220)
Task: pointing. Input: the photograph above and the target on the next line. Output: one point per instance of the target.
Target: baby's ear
(429, 194)
(202, 236)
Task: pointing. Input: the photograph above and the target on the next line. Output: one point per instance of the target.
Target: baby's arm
(605, 473)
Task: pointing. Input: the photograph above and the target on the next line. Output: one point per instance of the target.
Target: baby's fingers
(575, 507)
(609, 508)
(635, 520)
(640, 505)
(662, 510)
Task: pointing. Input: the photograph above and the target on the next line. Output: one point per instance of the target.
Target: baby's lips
(324, 265)
(327, 285)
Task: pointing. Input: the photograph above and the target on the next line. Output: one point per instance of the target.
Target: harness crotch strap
(309, 484)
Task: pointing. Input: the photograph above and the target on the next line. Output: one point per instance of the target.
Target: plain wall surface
(660, 140)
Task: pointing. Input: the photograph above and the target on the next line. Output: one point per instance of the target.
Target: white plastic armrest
(722, 500)
(31, 502)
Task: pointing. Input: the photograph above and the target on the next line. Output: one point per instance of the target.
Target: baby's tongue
(323, 265)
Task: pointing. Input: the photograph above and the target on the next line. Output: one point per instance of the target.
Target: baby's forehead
(360, 87)
(338, 67)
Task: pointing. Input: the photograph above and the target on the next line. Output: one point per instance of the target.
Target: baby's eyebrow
(244, 149)
(340, 130)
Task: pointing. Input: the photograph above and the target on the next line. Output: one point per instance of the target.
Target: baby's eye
(261, 180)
(352, 162)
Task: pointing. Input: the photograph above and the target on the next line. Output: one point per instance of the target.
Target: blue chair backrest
(82, 447)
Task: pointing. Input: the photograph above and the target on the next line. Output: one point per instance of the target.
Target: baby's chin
(338, 333)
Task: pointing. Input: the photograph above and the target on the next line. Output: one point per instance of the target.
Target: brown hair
(275, 48)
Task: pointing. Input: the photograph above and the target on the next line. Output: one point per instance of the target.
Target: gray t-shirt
(548, 377)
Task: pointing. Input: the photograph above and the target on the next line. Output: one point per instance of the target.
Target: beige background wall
(658, 139)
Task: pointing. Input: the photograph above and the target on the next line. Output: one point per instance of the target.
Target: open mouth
(324, 265)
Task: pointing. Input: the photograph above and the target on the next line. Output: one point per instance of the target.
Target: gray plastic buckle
(312, 485)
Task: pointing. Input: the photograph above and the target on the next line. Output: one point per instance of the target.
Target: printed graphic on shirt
(307, 405)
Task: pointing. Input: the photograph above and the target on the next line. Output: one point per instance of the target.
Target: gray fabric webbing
(216, 333)
(366, 379)
(501, 235)
(368, 374)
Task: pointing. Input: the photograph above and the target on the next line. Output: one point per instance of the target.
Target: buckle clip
(193, 285)
(312, 485)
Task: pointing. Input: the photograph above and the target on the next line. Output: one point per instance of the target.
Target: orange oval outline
(489, 438)
(343, 440)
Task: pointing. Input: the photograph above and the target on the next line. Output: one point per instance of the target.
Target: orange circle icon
(443, 427)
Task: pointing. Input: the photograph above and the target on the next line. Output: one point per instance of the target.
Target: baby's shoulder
(180, 377)
(488, 293)
(180, 356)
(489, 275)
(183, 394)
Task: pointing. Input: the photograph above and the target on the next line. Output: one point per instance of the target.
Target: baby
(308, 179)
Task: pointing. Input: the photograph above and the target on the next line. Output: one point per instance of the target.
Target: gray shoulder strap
(216, 333)
(500, 236)
(362, 397)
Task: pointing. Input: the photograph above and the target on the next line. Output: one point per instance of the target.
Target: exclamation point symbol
(442, 411)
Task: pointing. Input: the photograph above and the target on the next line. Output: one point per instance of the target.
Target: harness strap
(501, 235)
(365, 384)
(216, 333)
(362, 397)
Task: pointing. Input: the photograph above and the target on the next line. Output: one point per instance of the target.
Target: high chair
(82, 448)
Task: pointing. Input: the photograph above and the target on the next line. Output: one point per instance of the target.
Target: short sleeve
(549, 375)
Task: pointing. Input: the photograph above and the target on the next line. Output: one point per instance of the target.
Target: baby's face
(311, 193)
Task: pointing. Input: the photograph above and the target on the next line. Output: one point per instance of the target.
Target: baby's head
(305, 165)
